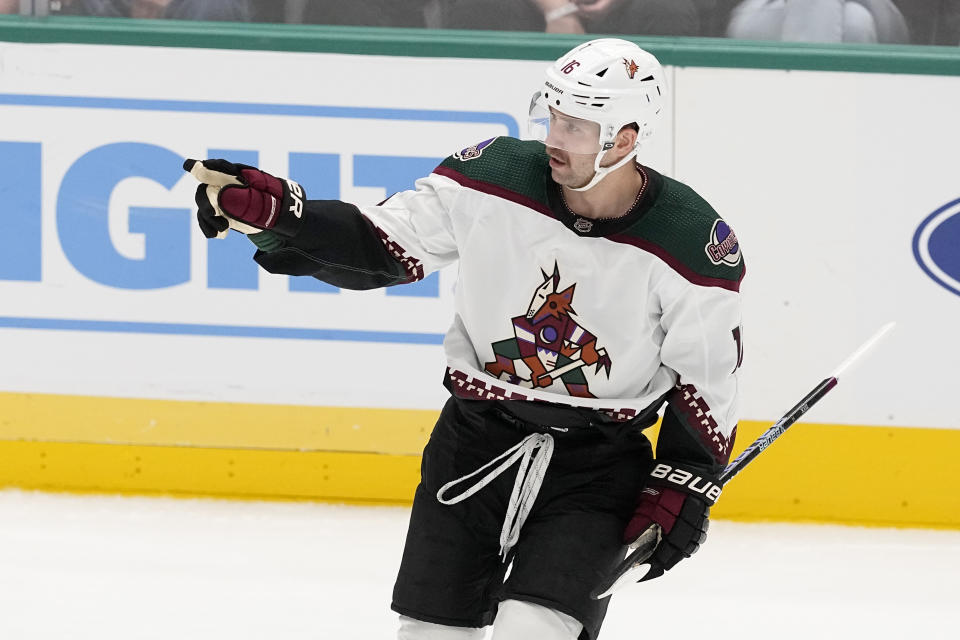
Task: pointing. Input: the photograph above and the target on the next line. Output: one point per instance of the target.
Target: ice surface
(105, 567)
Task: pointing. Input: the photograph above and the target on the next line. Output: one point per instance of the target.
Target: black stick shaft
(642, 553)
(774, 432)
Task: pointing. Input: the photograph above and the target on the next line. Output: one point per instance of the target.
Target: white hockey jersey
(613, 315)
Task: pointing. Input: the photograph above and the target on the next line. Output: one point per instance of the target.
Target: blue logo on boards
(936, 246)
(79, 205)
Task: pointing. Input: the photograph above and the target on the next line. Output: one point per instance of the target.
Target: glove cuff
(267, 241)
(291, 216)
(692, 481)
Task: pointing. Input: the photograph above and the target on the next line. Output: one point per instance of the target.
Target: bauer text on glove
(677, 499)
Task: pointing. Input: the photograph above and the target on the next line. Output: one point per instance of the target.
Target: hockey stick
(630, 568)
(556, 373)
(570, 366)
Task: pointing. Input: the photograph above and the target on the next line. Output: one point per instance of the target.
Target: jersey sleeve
(399, 241)
(703, 345)
(416, 226)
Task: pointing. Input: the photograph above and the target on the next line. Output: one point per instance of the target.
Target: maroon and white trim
(690, 405)
(466, 386)
(411, 265)
(622, 238)
(494, 190)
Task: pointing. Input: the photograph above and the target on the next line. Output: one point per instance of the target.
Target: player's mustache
(557, 154)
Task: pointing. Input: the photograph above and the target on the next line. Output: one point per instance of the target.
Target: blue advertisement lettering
(56, 192)
(82, 218)
(20, 212)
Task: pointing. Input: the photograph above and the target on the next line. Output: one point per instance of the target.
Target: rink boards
(139, 357)
(880, 476)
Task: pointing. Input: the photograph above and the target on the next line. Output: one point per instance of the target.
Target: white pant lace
(534, 453)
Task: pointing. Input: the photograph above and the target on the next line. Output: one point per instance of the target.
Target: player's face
(574, 135)
(573, 145)
(570, 169)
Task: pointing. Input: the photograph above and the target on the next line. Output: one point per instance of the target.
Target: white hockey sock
(411, 629)
(517, 620)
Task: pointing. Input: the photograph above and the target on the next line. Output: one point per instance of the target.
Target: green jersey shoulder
(520, 167)
(683, 229)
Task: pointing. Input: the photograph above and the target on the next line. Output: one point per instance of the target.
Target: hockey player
(592, 293)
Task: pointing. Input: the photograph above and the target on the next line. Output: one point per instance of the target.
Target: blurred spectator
(932, 21)
(950, 20)
(9, 6)
(234, 10)
(714, 16)
(638, 17)
(819, 21)
(369, 13)
(273, 10)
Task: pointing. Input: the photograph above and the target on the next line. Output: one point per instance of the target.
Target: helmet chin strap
(599, 173)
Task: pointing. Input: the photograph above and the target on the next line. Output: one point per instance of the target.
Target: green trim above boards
(441, 43)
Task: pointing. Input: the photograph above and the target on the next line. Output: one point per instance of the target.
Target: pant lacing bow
(534, 453)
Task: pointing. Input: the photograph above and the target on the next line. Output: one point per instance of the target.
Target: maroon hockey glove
(241, 197)
(678, 501)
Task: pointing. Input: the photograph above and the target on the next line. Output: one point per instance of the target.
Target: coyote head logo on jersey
(549, 346)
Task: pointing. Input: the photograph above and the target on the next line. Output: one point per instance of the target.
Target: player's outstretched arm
(400, 241)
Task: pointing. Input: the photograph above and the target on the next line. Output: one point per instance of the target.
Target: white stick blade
(864, 348)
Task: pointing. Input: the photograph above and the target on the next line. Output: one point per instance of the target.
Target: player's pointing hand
(243, 198)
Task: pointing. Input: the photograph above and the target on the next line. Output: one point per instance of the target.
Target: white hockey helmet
(609, 82)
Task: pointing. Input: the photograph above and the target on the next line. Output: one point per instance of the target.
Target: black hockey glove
(243, 198)
(676, 500)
